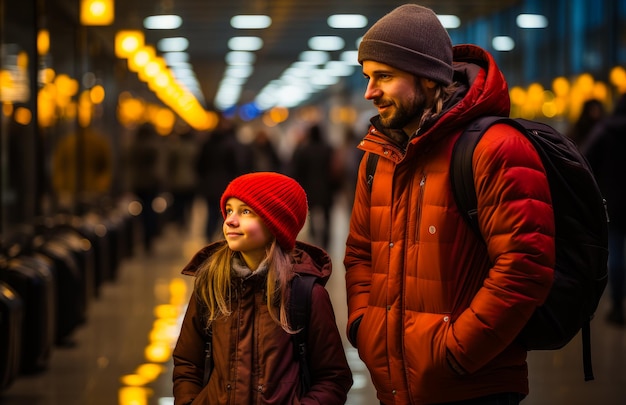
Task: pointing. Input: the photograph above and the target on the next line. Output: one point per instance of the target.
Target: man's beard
(401, 115)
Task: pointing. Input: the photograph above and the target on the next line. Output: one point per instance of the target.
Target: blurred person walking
(182, 176)
(263, 156)
(146, 164)
(606, 152)
(592, 113)
(311, 165)
(220, 160)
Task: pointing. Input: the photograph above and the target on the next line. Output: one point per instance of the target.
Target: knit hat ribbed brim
(410, 38)
(277, 199)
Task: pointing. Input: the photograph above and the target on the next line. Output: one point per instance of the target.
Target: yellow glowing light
(584, 84)
(128, 42)
(618, 76)
(141, 58)
(134, 395)
(47, 75)
(150, 371)
(561, 86)
(279, 114)
(43, 42)
(97, 12)
(134, 380)
(166, 311)
(158, 352)
(518, 96)
(549, 109)
(97, 94)
(7, 109)
(23, 116)
(22, 60)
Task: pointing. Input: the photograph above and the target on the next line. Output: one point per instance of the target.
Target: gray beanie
(412, 39)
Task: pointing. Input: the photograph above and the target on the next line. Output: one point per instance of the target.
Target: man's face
(397, 94)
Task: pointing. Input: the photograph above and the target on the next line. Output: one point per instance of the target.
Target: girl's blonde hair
(213, 284)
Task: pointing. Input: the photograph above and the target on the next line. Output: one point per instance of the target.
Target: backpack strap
(299, 314)
(370, 169)
(462, 182)
(461, 172)
(208, 356)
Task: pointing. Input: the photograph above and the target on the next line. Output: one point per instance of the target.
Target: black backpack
(299, 314)
(581, 223)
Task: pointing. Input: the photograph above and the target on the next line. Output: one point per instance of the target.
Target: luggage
(83, 252)
(31, 276)
(11, 315)
(91, 227)
(71, 289)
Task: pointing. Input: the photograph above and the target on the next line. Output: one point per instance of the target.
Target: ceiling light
(503, 43)
(240, 58)
(173, 58)
(322, 78)
(240, 71)
(183, 72)
(250, 21)
(351, 57)
(314, 57)
(337, 68)
(176, 44)
(347, 21)
(531, 21)
(326, 43)
(162, 22)
(449, 21)
(245, 43)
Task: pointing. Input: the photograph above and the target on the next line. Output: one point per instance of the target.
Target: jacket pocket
(425, 348)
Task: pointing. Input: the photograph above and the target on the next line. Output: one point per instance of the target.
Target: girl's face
(245, 232)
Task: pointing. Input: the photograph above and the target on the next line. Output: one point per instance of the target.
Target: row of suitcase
(49, 274)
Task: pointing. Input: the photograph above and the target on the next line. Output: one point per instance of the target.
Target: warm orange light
(43, 42)
(97, 94)
(97, 12)
(128, 42)
(23, 116)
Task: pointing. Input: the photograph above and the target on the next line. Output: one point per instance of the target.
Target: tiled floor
(121, 355)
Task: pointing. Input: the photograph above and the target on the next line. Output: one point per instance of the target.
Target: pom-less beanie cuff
(410, 38)
(277, 199)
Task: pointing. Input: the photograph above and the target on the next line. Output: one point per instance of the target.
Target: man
(433, 313)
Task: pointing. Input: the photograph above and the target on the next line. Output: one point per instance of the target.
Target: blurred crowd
(190, 166)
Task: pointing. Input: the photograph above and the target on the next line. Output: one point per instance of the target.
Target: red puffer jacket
(432, 312)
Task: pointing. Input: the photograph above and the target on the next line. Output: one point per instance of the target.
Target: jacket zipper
(420, 197)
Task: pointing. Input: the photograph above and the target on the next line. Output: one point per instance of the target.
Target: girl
(241, 293)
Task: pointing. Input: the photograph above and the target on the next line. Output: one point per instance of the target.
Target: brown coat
(253, 356)
(432, 312)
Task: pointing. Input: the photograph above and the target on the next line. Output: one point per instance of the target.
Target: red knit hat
(279, 200)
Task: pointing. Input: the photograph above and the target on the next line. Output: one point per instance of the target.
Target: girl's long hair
(213, 284)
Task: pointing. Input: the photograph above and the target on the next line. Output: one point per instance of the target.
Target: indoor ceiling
(206, 25)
